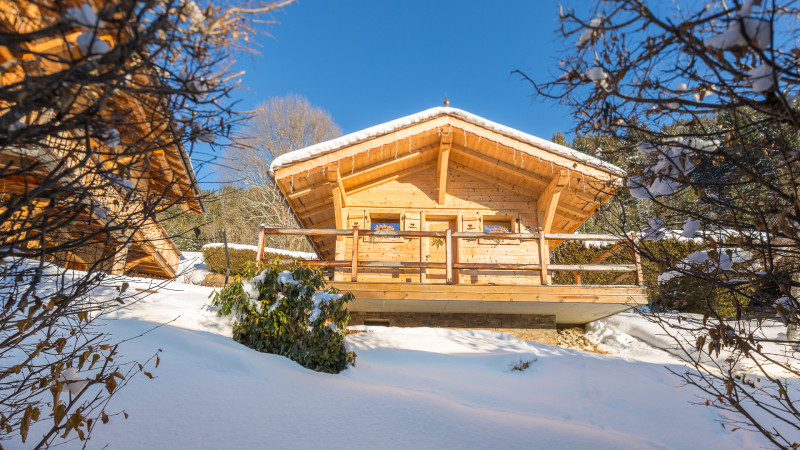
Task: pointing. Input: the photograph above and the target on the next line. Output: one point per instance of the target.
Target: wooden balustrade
(544, 267)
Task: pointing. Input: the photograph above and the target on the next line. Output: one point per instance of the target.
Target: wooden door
(436, 251)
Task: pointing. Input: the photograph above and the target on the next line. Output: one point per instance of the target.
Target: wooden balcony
(570, 303)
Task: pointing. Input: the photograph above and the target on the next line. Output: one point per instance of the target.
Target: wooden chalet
(166, 171)
(443, 218)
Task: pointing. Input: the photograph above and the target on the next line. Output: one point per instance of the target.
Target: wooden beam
(441, 164)
(423, 246)
(389, 177)
(620, 277)
(448, 242)
(594, 267)
(493, 180)
(318, 208)
(543, 257)
(541, 152)
(354, 266)
(135, 262)
(548, 201)
(390, 161)
(637, 262)
(337, 206)
(508, 169)
(516, 172)
(388, 140)
(338, 217)
(335, 176)
(261, 239)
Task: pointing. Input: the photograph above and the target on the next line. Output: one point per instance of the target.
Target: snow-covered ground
(410, 388)
(192, 268)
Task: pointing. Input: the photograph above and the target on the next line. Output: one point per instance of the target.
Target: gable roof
(319, 182)
(323, 148)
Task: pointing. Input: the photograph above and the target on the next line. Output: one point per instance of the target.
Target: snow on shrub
(290, 313)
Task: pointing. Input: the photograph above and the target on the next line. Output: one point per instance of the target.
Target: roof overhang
(333, 145)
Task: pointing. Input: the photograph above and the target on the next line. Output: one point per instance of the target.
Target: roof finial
(446, 101)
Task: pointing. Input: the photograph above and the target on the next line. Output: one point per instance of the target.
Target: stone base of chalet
(529, 327)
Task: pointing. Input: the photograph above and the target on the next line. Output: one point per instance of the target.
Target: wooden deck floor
(570, 304)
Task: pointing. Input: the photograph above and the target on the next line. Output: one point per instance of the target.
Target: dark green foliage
(668, 251)
(695, 295)
(296, 296)
(215, 259)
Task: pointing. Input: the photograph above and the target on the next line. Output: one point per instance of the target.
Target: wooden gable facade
(166, 171)
(444, 170)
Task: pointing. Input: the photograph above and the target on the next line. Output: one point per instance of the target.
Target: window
(497, 226)
(376, 322)
(384, 223)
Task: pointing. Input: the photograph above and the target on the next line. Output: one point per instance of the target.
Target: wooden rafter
(548, 201)
(321, 205)
(544, 154)
(386, 165)
(389, 177)
(442, 162)
(342, 191)
(417, 131)
(490, 179)
(333, 182)
(506, 168)
(136, 261)
(390, 164)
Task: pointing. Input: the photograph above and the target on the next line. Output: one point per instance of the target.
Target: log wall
(469, 202)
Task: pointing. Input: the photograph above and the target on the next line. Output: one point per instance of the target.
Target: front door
(436, 251)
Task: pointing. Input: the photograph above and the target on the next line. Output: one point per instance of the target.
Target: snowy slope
(427, 388)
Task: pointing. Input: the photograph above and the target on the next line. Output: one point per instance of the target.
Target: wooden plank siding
(167, 172)
(449, 175)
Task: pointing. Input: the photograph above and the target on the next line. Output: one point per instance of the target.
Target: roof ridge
(329, 146)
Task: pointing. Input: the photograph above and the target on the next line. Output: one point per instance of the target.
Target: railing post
(637, 261)
(577, 278)
(354, 268)
(227, 255)
(543, 255)
(448, 256)
(261, 238)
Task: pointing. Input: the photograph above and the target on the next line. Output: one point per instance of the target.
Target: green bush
(695, 295)
(289, 313)
(214, 257)
(683, 293)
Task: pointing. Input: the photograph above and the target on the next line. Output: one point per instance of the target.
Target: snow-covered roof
(388, 127)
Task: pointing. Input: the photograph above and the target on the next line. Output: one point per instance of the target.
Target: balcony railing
(450, 263)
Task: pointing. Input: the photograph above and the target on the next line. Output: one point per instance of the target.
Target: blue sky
(368, 62)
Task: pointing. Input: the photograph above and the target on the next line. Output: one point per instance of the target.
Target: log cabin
(443, 218)
(118, 178)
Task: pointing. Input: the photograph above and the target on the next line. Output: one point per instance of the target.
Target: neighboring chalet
(167, 171)
(453, 218)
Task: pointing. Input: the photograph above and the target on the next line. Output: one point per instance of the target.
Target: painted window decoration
(386, 225)
(496, 226)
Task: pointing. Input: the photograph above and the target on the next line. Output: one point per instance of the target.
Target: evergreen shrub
(214, 257)
(291, 313)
